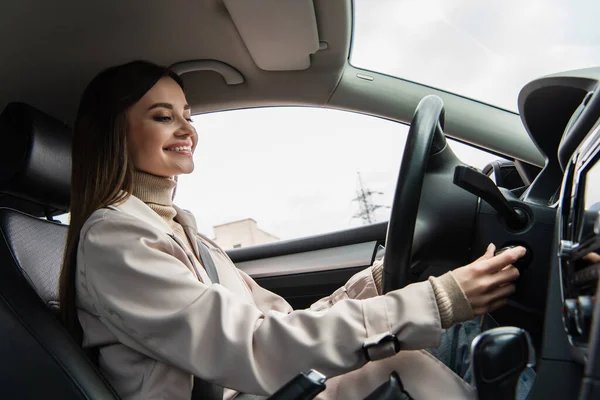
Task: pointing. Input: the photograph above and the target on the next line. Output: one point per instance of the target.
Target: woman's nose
(186, 129)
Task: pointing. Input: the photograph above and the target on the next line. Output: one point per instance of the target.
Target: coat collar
(137, 208)
(185, 218)
(188, 222)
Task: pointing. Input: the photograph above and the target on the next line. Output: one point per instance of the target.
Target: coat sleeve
(359, 286)
(154, 304)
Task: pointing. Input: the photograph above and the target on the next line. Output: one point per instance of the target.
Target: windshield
(484, 50)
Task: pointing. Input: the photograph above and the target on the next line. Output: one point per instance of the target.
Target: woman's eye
(162, 118)
(189, 120)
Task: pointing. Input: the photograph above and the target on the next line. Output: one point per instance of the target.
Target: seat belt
(208, 262)
(205, 390)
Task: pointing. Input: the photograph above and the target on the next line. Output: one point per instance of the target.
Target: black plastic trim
(302, 290)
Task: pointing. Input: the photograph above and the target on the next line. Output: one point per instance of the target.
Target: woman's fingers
(500, 261)
(506, 275)
(488, 281)
(491, 307)
(592, 257)
(489, 252)
(494, 296)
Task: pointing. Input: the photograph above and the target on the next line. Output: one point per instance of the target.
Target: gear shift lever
(498, 357)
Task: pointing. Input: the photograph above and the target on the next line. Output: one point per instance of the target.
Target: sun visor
(279, 34)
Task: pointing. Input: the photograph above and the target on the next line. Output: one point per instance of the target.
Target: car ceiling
(51, 50)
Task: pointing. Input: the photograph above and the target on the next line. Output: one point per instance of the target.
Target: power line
(365, 203)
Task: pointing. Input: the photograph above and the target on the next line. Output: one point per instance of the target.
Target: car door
(298, 197)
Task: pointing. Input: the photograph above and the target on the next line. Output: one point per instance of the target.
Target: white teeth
(181, 148)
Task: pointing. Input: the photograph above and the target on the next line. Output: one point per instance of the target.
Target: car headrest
(35, 161)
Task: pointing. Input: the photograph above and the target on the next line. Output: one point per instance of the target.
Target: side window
(472, 155)
(63, 218)
(269, 174)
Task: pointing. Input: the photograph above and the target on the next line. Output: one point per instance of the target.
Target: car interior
(237, 54)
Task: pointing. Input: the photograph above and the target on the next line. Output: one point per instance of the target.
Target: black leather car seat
(38, 359)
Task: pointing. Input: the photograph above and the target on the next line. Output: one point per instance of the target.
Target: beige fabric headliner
(50, 50)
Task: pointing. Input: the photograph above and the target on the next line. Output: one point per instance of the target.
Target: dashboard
(561, 113)
(579, 243)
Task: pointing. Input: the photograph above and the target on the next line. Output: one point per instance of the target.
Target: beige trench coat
(157, 320)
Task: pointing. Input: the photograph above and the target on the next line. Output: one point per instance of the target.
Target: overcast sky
(295, 170)
(486, 50)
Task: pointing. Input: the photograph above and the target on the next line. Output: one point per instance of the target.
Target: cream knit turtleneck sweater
(157, 193)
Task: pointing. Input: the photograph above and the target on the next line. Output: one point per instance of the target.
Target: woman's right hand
(488, 281)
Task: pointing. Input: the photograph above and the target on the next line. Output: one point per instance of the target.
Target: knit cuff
(377, 272)
(451, 300)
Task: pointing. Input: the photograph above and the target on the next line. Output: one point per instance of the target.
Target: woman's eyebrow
(160, 105)
(166, 105)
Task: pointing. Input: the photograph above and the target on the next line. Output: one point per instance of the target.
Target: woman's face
(160, 136)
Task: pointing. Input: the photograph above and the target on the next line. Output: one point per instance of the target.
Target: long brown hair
(101, 171)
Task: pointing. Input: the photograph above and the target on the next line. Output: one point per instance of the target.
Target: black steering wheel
(425, 136)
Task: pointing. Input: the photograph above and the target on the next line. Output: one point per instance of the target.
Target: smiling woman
(145, 291)
(483, 50)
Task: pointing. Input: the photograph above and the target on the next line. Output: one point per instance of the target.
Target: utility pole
(366, 206)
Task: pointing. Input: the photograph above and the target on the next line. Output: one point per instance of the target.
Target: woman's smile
(180, 150)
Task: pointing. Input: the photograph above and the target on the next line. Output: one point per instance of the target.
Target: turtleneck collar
(157, 193)
(153, 189)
